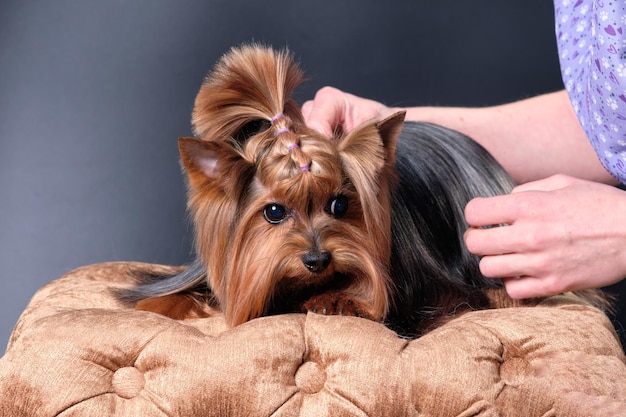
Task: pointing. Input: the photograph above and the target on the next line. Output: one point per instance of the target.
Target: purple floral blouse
(591, 37)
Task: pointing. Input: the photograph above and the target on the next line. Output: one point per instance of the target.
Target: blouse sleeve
(591, 37)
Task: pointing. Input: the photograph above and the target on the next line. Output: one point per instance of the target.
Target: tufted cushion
(78, 351)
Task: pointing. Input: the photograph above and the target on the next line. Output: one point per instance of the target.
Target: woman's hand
(333, 110)
(560, 234)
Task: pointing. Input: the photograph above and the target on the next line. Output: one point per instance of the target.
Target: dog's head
(280, 211)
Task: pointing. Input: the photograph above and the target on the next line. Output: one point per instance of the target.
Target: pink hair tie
(282, 130)
(292, 147)
(278, 116)
(304, 167)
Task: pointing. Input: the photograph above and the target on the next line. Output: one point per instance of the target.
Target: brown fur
(177, 306)
(255, 267)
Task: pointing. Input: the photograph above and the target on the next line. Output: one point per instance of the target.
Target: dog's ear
(212, 162)
(389, 130)
(368, 155)
(371, 147)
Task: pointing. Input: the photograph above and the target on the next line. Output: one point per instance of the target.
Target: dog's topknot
(265, 78)
(246, 101)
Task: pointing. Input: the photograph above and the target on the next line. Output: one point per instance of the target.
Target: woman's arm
(532, 138)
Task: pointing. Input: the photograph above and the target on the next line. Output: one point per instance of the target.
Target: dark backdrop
(94, 94)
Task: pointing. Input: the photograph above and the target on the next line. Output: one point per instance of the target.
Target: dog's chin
(292, 293)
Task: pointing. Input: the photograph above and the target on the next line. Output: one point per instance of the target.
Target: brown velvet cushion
(78, 351)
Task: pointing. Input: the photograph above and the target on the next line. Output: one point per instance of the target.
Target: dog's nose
(316, 261)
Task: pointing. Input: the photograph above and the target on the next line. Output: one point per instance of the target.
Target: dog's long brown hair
(254, 154)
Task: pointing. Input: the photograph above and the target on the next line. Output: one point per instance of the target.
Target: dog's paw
(335, 303)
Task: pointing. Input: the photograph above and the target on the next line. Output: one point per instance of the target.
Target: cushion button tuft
(128, 382)
(310, 378)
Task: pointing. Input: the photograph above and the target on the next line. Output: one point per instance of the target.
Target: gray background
(93, 95)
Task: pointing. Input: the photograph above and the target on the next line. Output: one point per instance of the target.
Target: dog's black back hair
(440, 171)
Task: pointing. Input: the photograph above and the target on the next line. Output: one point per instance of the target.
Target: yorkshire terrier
(285, 219)
(368, 223)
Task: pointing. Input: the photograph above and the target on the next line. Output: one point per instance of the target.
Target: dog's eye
(274, 213)
(338, 206)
